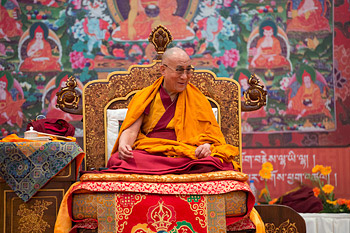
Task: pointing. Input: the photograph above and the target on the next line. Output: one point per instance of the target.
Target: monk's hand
(203, 151)
(125, 152)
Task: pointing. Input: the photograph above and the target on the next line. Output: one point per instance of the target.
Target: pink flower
(189, 51)
(284, 83)
(77, 4)
(227, 3)
(77, 59)
(118, 52)
(216, 62)
(230, 58)
(272, 111)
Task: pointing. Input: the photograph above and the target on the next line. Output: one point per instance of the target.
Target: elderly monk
(170, 127)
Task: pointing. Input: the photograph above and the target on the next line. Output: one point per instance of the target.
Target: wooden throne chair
(206, 202)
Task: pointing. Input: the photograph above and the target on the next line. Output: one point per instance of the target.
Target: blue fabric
(27, 174)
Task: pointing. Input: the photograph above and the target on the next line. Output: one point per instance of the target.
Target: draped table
(326, 223)
(28, 166)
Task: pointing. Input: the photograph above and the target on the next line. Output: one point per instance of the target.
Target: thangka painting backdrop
(299, 49)
(288, 43)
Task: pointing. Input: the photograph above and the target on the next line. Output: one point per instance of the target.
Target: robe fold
(193, 123)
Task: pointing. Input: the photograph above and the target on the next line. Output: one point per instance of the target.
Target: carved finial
(255, 95)
(160, 37)
(68, 97)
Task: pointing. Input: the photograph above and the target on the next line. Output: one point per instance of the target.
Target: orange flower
(273, 201)
(341, 201)
(267, 166)
(332, 202)
(328, 188)
(317, 168)
(265, 174)
(262, 192)
(316, 191)
(326, 170)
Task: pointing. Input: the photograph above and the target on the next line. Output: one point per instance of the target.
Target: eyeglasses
(180, 71)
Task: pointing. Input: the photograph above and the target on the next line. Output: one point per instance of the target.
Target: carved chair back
(116, 91)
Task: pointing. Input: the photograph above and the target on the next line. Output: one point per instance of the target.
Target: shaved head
(174, 53)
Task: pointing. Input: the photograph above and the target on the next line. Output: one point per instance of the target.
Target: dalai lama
(170, 127)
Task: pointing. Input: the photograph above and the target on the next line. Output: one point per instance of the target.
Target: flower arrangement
(324, 190)
(265, 173)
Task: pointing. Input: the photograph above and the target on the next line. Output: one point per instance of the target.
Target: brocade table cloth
(28, 166)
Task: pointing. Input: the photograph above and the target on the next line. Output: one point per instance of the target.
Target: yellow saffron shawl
(195, 124)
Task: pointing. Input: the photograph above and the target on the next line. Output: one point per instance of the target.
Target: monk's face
(177, 71)
(39, 36)
(307, 81)
(2, 85)
(268, 32)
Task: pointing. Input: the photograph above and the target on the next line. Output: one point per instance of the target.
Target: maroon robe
(145, 163)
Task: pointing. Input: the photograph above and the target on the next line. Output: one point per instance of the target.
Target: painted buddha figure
(308, 98)
(9, 27)
(10, 110)
(268, 49)
(39, 53)
(308, 17)
(144, 15)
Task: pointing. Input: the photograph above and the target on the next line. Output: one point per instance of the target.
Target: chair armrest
(281, 218)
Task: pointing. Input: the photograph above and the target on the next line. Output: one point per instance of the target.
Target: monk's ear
(162, 69)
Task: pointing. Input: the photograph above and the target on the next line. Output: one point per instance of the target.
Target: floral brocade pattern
(171, 178)
(26, 167)
(207, 187)
(140, 212)
(33, 219)
(113, 92)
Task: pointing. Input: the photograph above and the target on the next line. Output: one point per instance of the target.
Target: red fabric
(196, 188)
(145, 163)
(160, 213)
(163, 133)
(302, 200)
(164, 189)
(53, 126)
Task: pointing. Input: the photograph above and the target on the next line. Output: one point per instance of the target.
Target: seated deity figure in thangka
(308, 94)
(36, 49)
(308, 16)
(10, 107)
(146, 14)
(268, 49)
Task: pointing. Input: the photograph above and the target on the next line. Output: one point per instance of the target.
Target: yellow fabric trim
(169, 178)
(63, 222)
(195, 124)
(258, 222)
(15, 138)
